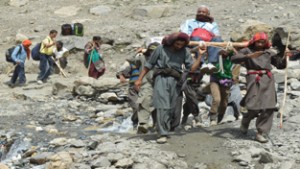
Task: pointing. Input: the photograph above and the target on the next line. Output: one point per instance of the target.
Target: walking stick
(90, 61)
(60, 69)
(285, 81)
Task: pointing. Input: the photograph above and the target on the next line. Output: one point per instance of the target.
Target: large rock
(67, 11)
(61, 160)
(156, 11)
(249, 28)
(40, 159)
(265, 158)
(295, 85)
(89, 86)
(85, 90)
(101, 162)
(74, 42)
(100, 10)
(18, 3)
(59, 88)
(124, 163)
(283, 31)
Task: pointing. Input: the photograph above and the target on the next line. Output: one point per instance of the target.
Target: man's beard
(204, 18)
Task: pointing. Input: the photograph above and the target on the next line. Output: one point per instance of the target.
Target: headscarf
(260, 36)
(27, 43)
(170, 39)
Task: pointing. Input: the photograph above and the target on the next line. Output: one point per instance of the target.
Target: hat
(26, 43)
(260, 36)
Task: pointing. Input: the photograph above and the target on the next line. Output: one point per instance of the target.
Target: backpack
(78, 29)
(203, 34)
(66, 29)
(9, 52)
(35, 52)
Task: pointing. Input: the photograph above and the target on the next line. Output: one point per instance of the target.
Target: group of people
(52, 56)
(167, 71)
(161, 75)
(50, 52)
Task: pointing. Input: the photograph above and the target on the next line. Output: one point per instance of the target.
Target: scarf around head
(27, 43)
(170, 39)
(260, 36)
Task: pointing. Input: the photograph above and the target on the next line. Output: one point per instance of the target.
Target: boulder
(59, 141)
(265, 158)
(67, 11)
(100, 10)
(74, 42)
(101, 162)
(85, 90)
(124, 163)
(156, 11)
(295, 85)
(282, 32)
(59, 88)
(40, 159)
(246, 30)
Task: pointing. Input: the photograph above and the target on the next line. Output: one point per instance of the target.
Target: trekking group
(169, 72)
(165, 73)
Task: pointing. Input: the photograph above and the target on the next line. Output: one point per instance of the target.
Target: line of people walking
(174, 69)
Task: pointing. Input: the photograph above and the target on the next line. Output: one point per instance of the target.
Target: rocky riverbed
(81, 123)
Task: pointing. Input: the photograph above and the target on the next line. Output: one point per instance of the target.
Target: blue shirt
(189, 25)
(19, 56)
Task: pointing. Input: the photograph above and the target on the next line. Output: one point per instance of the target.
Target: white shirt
(59, 54)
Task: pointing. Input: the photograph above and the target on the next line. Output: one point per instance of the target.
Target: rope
(285, 82)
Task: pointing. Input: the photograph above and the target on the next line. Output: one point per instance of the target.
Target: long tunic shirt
(261, 94)
(165, 87)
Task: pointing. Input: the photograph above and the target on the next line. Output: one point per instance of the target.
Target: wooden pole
(285, 82)
(60, 69)
(220, 44)
(90, 61)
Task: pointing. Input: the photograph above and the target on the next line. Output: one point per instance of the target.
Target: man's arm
(138, 83)
(47, 43)
(14, 54)
(195, 66)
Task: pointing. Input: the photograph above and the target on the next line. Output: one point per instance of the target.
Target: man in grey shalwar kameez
(167, 61)
(260, 99)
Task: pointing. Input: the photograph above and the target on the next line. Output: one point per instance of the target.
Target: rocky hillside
(80, 123)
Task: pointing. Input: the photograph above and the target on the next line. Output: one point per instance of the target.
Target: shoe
(211, 68)
(162, 140)
(142, 129)
(40, 82)
(260, 138)
(204, 69)
(243, 129)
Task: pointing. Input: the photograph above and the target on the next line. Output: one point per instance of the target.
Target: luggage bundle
(75, 29)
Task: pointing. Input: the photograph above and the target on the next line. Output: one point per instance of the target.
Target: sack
(66, 29)
(78, 29)
(35, 52)
(9, 52)
(203, 34)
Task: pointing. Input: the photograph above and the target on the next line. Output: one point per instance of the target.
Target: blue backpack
(35, 52)
(9, 52)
